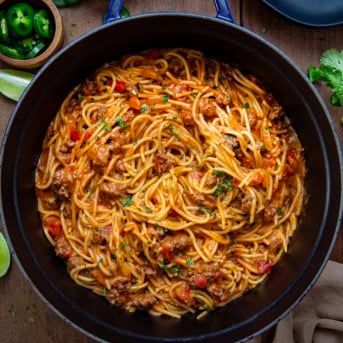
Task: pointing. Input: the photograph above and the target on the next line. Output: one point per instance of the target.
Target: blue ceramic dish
(316, 13)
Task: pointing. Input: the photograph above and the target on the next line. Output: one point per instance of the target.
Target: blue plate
(318, 13)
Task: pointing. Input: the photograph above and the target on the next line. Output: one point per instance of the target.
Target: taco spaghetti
(170, 182)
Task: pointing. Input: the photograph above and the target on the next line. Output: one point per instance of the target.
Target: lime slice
(13, 82)
(5, 256)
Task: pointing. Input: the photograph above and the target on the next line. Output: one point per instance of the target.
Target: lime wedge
(5, 256)
(13, 82)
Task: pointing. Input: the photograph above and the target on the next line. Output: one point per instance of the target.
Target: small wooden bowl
(55, 43)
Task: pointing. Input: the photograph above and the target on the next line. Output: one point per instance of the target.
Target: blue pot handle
(115, 6)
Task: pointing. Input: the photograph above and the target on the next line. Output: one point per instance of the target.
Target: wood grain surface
(23, 315)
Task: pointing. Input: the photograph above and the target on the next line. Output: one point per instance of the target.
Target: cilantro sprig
(331, 72)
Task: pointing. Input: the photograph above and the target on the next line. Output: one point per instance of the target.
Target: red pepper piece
(200, 281)
(120, 86)
(264, 266)
(54, 227)
(75, 135)
(183, 293)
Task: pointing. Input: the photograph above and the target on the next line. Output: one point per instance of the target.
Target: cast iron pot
(310, 247)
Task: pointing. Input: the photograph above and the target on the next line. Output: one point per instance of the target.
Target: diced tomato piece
(235, 182)
(180, 88)
(87, 135)
(246, 163)
(264, 266)
(257, 179)
(152, 53)
(154, 199)
(269, 162)
(158, 167)
(173, 213)
(165, 251)
(120, 86)
(183, 293)
(135, 103)
(200, 281)
(75, 135)
(218, 276)
(54, 227)
(269, 99)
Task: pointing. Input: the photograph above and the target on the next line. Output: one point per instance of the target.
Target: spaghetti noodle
(170, 182)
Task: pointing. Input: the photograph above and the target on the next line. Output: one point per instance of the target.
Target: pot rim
(133, 335)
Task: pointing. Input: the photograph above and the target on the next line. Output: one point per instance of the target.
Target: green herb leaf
(127, 202)
(218, 172)
(144, 109)
(165, 98)
(175, 270)
(120, 122)
(190, 262)
(173, 130)
(330, 72)
(279, 211)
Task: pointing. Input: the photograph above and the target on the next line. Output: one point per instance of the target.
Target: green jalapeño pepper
(4, 34)
(43, 24)
(65, 3)
(11, 52)
(36, 50)
(20, 19)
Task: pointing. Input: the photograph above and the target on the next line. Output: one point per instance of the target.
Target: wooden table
(23, 316)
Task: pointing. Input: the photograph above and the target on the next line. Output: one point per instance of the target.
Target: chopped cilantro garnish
(223, 187)
(175, 270)
(127, 202)
(165, 98)
(190, 262)
(173, 130)
(104, 291)
(246, 105)
(227, 182)
(201, 209)
(113, 256)
(120, 122)
(279, 211)
(144, 109)
(218, 172)
(122, 245)
(107, 128)
(147, 210)
(102, 120)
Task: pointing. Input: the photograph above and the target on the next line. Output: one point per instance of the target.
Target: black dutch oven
(310, 247)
